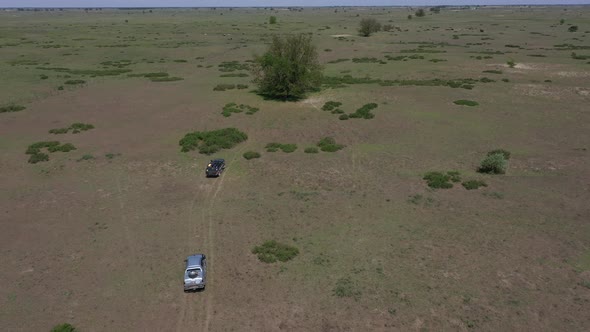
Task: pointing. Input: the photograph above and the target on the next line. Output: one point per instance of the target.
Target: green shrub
(511, 63)
(166, 79)
(368, 26)
(43, 76)
(75, 127)
(455, 176)
(439, 180)
(465, 102)
(272, 20)
(312, 149)
(112, 155)
(493, 71)
(493, 164)
(65, 327)
(223, 87)
(73, 82)
(328, 144)
(11, 108)
(208, 142)
(242, 86)
(474, 184)
(274, 147)
(86, 157)
(272, 251)
(331, 105)
(150, 75)
(573, 28)
(67, 147)
(230, 108)
(60, 87)
(343, 117)
(288, 148)
(229, 66)
(38, 157)
(36, 147)
(78, 127)
(364, 112)
(503, 152)
(251, 155)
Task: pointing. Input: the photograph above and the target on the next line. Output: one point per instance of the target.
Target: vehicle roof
(194, 260)
(218, 160)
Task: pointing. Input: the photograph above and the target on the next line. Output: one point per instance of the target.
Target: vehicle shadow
(198, 290)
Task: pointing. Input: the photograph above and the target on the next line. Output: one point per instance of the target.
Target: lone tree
(289, 68)
(420, 13)
(369, 26)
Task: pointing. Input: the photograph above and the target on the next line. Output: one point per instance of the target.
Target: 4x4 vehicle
(215, 167)
(195, 274)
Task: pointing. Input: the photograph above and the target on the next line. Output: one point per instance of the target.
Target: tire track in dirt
(186, 319)
(124, 220)
(187, 308)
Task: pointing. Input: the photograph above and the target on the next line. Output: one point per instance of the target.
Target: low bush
(11, 108)
(86, 157)
(338, 60)
(230, 108)
(52, 146)
(503, 152)
(75, 128)
(364, 112)
(493, 164)
(166, 79)
(272, 251)
(331, 105)
(474, 184)
(494, 71)
(38, 157)
(251, 155)
(234, 75)
(208, 142)
(43, 76)
(511, 63)
(223, 87)
(368, 60)
(65, 327)
(312, 149)
(274, 147)
(74, 82)
(439, 180)
(465, 102)
(328, 144)
(343, 117)
(112, 155)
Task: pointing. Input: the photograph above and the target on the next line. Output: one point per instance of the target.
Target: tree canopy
(289, 68)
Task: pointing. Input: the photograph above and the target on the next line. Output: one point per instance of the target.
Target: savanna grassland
(99, 206)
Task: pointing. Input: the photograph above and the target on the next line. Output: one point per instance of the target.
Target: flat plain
(96, 237)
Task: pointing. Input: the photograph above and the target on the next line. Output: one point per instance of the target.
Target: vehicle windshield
(194, 273)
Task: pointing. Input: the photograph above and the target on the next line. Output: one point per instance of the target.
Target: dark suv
(215, 167)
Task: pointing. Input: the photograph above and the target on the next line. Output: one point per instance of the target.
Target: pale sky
(272, 3)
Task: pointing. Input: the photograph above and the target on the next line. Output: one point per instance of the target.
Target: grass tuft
(272, 251)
